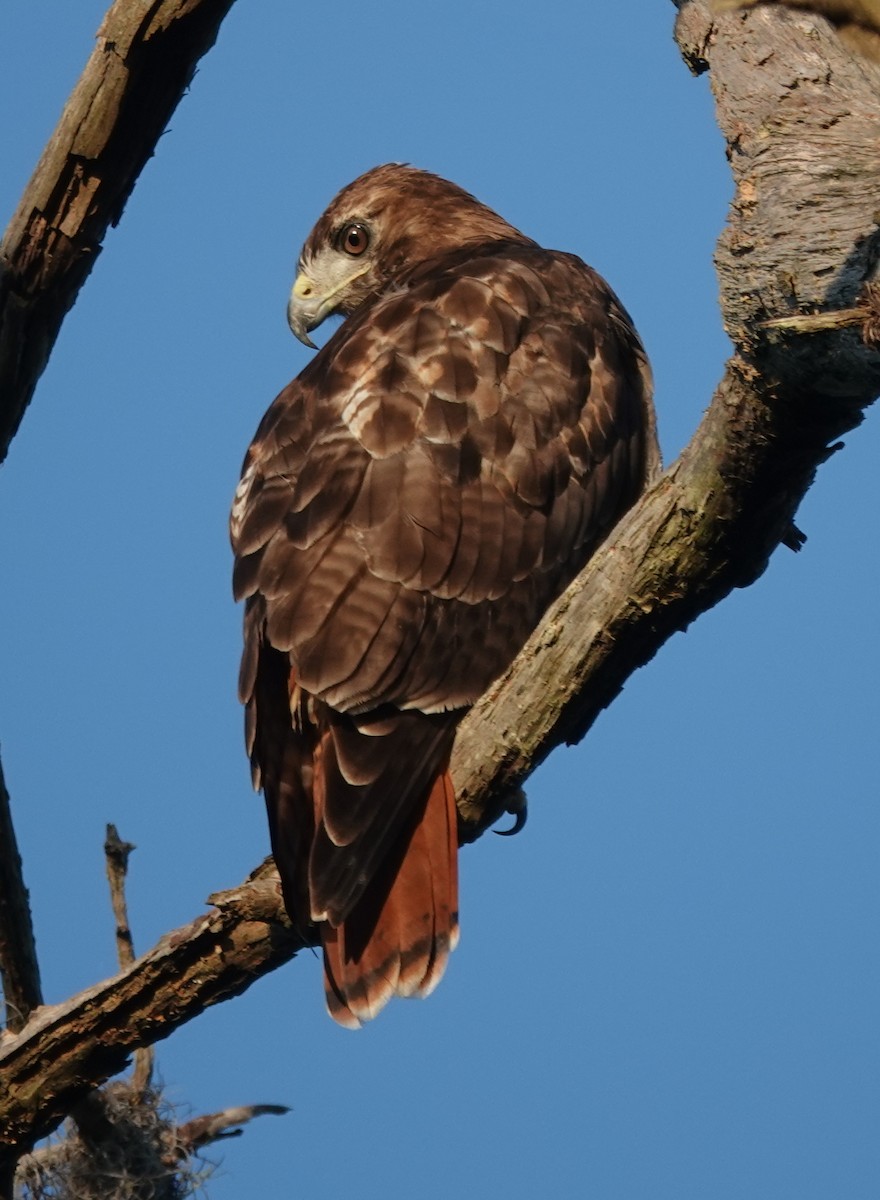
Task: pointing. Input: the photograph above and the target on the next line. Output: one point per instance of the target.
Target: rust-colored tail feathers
(364, 832)
(397, 938)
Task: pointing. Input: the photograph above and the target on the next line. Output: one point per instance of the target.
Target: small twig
(215, 1127)
(866, 314)
(94, 1115)
(816, 322)
(19, 969)
(116, 853)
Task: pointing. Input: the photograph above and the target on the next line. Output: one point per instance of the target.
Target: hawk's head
(387, 221)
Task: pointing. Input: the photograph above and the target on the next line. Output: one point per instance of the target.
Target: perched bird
(408, 508)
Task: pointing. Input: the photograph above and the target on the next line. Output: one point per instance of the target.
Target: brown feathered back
(409, 507)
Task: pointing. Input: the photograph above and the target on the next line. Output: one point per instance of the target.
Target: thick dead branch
(144, 60)
(67, 1048)
(800, 116)
(19, 970)
(682, 548)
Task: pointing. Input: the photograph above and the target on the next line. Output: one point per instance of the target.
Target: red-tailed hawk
(410, 505)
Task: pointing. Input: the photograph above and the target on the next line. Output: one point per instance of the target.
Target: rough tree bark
(144, 60)
(800, 117)
(856, 21)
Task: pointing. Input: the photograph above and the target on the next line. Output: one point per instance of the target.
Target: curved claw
(520, 810)
(518, 824)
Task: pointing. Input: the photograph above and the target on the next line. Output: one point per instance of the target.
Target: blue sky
(668, 985)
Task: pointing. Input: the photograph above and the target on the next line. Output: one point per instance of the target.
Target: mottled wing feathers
(408, 508)
(447, 465)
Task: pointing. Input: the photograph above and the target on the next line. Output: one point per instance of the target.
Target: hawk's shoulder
(464, 439)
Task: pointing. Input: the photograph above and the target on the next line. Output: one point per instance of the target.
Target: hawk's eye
(353, 239)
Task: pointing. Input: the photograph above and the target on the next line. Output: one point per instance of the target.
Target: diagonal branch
(69, 1047)
(144, 60)
(800, 117)
(683, 547)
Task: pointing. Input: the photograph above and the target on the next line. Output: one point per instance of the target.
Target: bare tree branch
(67, 1048)
(800, 117)
(140, 1153)
(144, 60)
(19, 969)
(116, 853)
(215, 1127)
(121, 1139)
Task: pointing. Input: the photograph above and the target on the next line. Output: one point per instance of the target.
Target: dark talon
(521, 816)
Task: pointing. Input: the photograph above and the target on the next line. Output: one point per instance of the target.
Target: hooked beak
(320, 292)
(305, 309)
